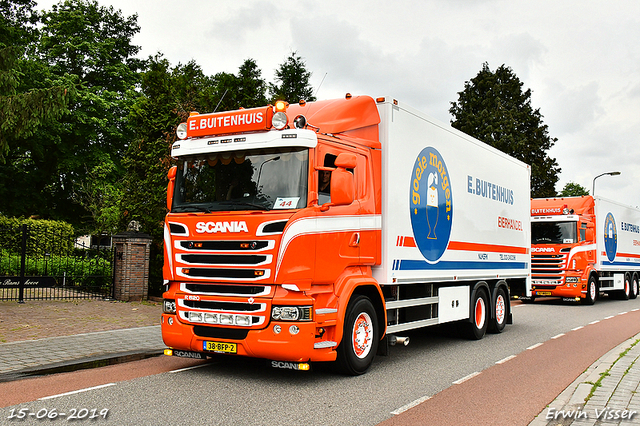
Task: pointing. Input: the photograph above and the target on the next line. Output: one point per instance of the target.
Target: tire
(360, 337)
(476, 327)
(500, 312)
(592, 292)
(634, 287)
(626, 293)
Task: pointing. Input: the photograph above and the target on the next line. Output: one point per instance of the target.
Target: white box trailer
(618, 246)
(455, 219)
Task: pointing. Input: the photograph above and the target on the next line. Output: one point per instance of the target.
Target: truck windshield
(553, 232)
(242, 180)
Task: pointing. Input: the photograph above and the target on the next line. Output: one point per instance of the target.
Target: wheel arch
(358, 283)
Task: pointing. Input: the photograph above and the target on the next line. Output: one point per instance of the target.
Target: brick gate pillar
(131, 272)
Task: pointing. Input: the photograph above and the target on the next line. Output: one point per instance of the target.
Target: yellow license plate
(224, 347)
(543, 293)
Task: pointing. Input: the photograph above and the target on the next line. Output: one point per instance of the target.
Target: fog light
(169, 306)
(294, 330)
(277, 329)
(170, 320)
(195, 316)
(211, 318)
(243, 320)
(226, 319)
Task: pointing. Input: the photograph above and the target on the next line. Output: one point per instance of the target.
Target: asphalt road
(245, 392)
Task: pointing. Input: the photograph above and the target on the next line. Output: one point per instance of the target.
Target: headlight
(279, 120)
(291, 313)
(169, 306)
(181, 131)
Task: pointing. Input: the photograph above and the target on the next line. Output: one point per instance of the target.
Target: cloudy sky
(580, 58)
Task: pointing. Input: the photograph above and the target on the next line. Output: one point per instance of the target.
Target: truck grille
(548, 270)
(225, 289)
(228, 260)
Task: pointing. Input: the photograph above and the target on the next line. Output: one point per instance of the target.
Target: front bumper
(262, 343)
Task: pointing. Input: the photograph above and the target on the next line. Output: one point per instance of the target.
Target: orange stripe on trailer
(405, 242)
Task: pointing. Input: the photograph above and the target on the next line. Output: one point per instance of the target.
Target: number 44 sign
(286, 203)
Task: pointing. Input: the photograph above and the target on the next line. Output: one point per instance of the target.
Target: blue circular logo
(610, 237)
(431, 204)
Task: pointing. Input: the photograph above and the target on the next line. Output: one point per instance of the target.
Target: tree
(21, 113)
(494, 109)
(572, 189)
(292, 81)
(252, 89)
(89, 45)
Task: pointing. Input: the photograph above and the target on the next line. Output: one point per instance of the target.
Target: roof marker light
(281, 106)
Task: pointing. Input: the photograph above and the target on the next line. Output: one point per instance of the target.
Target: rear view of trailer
(455, 224)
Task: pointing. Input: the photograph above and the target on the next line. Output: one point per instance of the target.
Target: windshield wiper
(192, 208)
(243, 203)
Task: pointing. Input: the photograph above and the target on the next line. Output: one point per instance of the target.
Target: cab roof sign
(244, 120)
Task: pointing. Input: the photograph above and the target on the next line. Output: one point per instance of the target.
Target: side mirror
(342, 187)
(346, 161)
(590, 233)
(172, 183)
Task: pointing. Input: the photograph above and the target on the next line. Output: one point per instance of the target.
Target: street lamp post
(593, 191)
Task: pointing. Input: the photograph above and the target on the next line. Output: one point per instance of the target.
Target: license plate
(224, 347)
(543, 293)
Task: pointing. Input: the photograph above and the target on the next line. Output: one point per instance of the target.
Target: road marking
(636, 309)
(594, 322)
(577, 328)
(534, 346)
(410, 405)
(188, 368)
(503, 360)
(558, 335)
(465, 378)
(76, 391)
(622, 313)
(609, 317)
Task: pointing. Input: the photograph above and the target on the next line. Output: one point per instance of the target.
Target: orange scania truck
(321, 231)
(583, 247)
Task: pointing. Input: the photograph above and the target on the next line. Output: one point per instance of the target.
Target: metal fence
(38, 264)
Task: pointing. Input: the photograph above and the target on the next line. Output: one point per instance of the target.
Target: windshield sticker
(567, 241)
(286, 203)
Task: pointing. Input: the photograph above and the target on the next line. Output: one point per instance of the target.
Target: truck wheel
(626, 293)
(592, 292)
(360, 337)
(634, 287)
(479, 321)
(500, 310)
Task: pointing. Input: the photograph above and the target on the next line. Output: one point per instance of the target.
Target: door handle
(355, 240)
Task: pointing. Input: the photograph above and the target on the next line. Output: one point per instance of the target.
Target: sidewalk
(611, 388)
(43, 337)
(87, 350)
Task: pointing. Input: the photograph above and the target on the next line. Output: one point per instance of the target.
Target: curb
(80, 364)
(573, 397)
